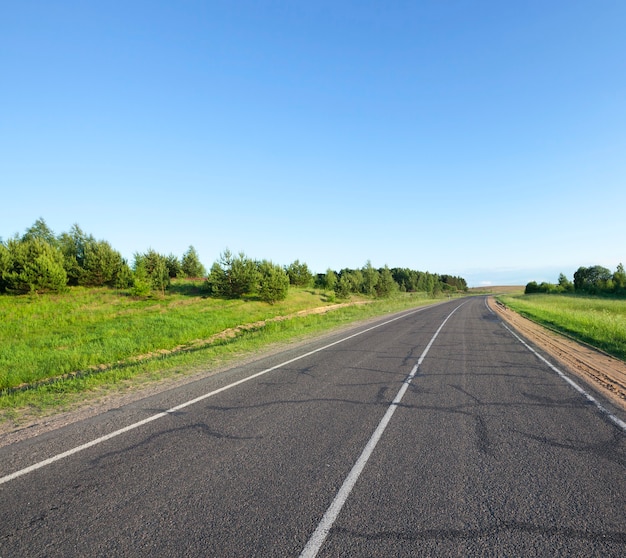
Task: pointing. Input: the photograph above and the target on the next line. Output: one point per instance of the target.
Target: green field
(55, 347)
(600, 322)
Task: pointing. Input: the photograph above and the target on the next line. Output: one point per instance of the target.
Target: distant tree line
(384, 282)
(40, 261)
(594, 280)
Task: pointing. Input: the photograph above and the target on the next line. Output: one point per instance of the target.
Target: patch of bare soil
(501, 289)
(606, 373)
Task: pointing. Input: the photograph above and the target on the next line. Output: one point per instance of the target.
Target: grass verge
(600, 322)
(57, 352)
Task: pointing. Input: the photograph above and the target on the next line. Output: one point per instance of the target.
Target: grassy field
(55, 348)
(496, 290)
(600, 322)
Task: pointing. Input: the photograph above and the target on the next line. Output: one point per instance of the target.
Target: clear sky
(485, 139)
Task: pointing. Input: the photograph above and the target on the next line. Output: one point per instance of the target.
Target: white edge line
(582, 391)
(320, 534)
(615, 420)
(106, 437)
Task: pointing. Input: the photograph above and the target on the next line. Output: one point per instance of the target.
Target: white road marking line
(321, 532)
(616, 420)
(620, 423)
(106, 437)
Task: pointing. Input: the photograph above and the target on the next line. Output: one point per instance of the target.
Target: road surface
(435, 432)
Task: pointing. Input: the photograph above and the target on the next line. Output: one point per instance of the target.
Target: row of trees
(39, 261)
(384, 281)
(234, 276)
(594, 280)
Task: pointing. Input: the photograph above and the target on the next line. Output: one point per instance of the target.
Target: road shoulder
(605, 373)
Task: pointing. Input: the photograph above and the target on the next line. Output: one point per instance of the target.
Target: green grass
(600, 322)
(54, 349)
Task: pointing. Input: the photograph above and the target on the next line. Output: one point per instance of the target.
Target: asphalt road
(486, 451)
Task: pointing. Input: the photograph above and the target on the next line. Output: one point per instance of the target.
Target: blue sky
(485, 139)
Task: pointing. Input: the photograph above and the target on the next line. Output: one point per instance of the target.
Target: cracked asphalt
(489, 453)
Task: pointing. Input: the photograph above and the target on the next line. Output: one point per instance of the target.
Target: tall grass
(99, 336)
(49, 336)
(600, 322)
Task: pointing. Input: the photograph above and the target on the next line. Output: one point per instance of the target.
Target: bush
(102, 264)
(191, 265)
(369, 279)
(174, 268)
(299, 274)
(343, 287)
(151, 268)
(124, 279)
(73, 245)
(233, 276)
(141, 282)
(273, 282)
(90, 262)
(32, 266)
(531, 288)
(385, 285)
(353, 279)
(592, 280)
(326, 281)
(544, 287)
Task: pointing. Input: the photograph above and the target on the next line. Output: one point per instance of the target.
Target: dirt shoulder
(606, 373)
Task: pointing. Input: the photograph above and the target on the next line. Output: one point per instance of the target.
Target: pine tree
(34, 266)
(273, 282)
(233, 276)
(191, 265)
